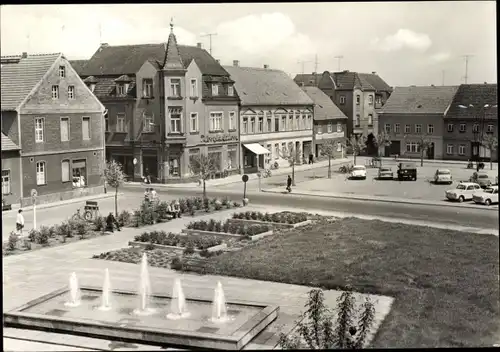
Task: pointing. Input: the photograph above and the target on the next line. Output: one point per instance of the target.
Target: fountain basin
(247, 320)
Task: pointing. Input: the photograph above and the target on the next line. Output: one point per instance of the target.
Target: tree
(357, 143)
(318, 328)
(114, 177)
(382, 139)
(424, 144)
(329, 148)
(293, 156)
(490, 142)
(204, 166)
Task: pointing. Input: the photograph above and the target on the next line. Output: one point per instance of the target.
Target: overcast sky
(406, 43)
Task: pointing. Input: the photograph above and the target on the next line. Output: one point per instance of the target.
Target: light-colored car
(463, 191)
(488, 196)
(385, 173)
(358, 172)
(443, 176)
(481, 178)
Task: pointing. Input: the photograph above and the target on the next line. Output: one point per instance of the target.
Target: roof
(128, 59)
(20, 77)
(307, 79)
(419, 100)
(8, 144)
(376, 81)
(348, 80)
(324, 108)
(477, 95)
(263, 86)
(78, 65)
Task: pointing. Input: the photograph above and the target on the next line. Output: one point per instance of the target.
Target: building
(307, 80)
(166, 103)
(473, 114)
(52, 127)
(329, 122)
(276, 116)
(415, 113)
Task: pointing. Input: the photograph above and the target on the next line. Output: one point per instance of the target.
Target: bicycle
(87, 215)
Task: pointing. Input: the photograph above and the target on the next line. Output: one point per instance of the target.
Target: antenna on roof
(210, 35)
(443, 72)
(100, 34)
(466, 66)
(303, 62)
(339, 57)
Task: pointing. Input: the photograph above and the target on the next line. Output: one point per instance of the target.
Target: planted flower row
(172, 239)
(281, 218)
(228, 227)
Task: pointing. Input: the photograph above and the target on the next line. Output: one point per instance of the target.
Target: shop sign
(219, 138)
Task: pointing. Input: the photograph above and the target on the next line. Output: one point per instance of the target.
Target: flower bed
(226, 228)
(284, 217)
(195, 205)
(162, 239)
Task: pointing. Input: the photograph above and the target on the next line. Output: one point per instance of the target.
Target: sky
(406, 43)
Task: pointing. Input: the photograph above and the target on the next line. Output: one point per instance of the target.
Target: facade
(307, 80)
(413, 113)
(329, 122)
(472, 116)
(57, 122)
(276, 117)
(11, 170)
(166, 103)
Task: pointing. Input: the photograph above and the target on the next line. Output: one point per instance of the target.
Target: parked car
(407, 171)
(488, 196)
(385, 173)
(358, 172)
(443, 176)
(463, 191)
(482, 178)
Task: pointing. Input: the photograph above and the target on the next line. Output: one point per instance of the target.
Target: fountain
(74, 292)
(144, 289)
(106, 292)
(178, 309)
(219, 309)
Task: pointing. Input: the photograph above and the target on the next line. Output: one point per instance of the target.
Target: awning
(256, 148)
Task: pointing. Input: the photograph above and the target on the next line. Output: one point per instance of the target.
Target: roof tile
(8, 144)
(420, 100)
(477, 95)
(325, 108)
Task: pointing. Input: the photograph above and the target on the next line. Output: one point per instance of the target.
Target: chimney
(432, 85)
(198, 45)
(345, 71)
(266, 66)
(25, 55)
(104, 44)
(485, 82)
(374, 72)
(236, 63)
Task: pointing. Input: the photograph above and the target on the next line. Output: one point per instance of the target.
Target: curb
(410, 201)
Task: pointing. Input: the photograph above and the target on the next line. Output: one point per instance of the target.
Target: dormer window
(120, 89)
(147, 88)
(215, 89)
(92, 87)
(62, 71)
(230, 91)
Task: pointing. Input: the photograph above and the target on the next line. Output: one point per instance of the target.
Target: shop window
(79, 171)
(174, 167)
(232, 158)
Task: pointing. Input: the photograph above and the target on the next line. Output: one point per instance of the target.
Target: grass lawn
(445, 283)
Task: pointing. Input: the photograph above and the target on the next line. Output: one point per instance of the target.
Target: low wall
(61, 196)
(175, 248)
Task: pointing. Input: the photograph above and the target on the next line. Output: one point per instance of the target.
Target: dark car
(407, 171)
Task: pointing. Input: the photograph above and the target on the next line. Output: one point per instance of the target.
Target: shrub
(64, 230)
(161, 210)
(177, 263)
(149, 247)
(81, 228)
(27, 244)
(42, 237)
(12, 241)
(236, 204)
(254, 215)
(206, 204)
(189, 250)
(124, 218)
(183, 205)
(32, 235)
(100, 223)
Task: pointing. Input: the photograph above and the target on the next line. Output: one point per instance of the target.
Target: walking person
(311, 158)
(289, 184)
(111, 222)
(20, 222)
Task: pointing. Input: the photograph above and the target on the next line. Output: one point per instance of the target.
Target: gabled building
(329, 122)
(166, 103)
(52, 130)
(276, 116)
(413, 113)
(307, 80)
(472, 116)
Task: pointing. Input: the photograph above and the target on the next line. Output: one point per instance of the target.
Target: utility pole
(466, 66)
(210, 35)
(339, 57)
(443, 72)
(100, 34)
(316, 70)
(303, 62)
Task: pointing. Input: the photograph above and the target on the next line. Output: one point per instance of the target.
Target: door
(393, 149)
(430, 152)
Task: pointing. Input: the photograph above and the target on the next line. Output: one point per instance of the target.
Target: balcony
(175, 138)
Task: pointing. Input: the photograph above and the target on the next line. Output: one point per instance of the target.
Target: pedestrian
(20, 222)
(177, 208)
(154, 195)
(111, 222)
(311, 158)
(147, 195)
(289, 184)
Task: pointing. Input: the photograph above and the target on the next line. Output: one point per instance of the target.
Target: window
(194, 153)
(5, 182)
(174, 166)
(120, 89)
(39, 130)
(475, 127)
(215, 121)
(396, 128)
(450, 127)
(309, 122)
(62, 71)
(71, 92)
(449, 149)
(407, 128)
(55, 92)
(370, 99)
(215, 89)
(232, 121)
(193, 125)
(412, 147)
(175, 120)
(378, 100)
(260, 125)
(175, 87)
(430, 129)
(461, 149)
(269, 124)
(329, 127)
(462, 128)
(148, 124)
(230, 91)
(40, 173)
(490, 129)
(387, 128)
(245, 125)
(370, 120)
(276, 151)
(283, 123)
(232, 157)
(193, 88)
(65, 176)
(252, 125)
(64, 129)
(283, 149)
(86, 128)
(147, 88)
(92, 87)
(304, 122)
(357, 122)
(342, 99)
(339, 146)
(216, 154)
(276, 124)
(120, 122)
(339, 127)
(358, 99)
(418, 128)
(106, 124)
(79, 171)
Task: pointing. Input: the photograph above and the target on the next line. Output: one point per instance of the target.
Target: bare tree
(382, 139)
(328, 148)
(424, 144)
(204, 166)
(490, 142)
(114, 176)
(357, 143)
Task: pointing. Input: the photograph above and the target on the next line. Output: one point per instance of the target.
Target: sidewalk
(435, 161)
